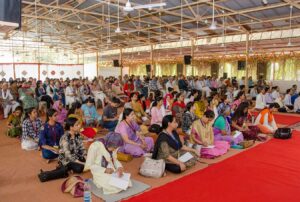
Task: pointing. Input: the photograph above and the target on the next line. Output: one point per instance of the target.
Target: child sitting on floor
(14, 123)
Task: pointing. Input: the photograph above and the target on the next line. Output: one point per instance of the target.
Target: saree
(220, 124)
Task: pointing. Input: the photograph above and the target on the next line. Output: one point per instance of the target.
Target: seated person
(265, 119)
(7, 100)
(31, 127)
(202, 134)
(134, 142)
(222, 129)
(26, 95)
(76, 112)
(240, 123)
(102, 161)
(297, 104)
(50, 136)
(178, 107)
(169, 147)
(201, 105)
(268, 96)
(91, 116)
(287, 99)
(157, 111)
(188, 117)
(110, 114)
(41, 95)
(141, 116)
(14, 123)
(260, 102)
(61, 112)
(71, 150)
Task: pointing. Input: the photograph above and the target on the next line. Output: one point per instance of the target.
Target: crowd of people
(204, 116)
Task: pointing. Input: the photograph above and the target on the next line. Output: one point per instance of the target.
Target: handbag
(124, 157)
(155, 128)
(283, 133)
(152, 168)
(73, 185)
(59, 172)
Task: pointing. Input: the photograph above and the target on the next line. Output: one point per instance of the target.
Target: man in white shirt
(260, 102)
(7, 100)
(229, 94)
(275, 92)
(253, 92)
(287, 99)
(169, 84)
(297, 104)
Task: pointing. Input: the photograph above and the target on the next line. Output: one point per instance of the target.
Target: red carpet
(285, 119)
(268, 172)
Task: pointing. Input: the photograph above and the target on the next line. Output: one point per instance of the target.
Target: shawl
(112, 139)
(263, 113)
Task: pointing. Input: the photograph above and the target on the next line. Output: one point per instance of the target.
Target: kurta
(221, 124)
(96, 152)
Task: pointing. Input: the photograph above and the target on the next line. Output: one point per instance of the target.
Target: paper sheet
(120, 182)
(236, 134)
(185, 157)
(209, 147)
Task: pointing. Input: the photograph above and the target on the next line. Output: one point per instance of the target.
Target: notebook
(185, 157)
(120, 182)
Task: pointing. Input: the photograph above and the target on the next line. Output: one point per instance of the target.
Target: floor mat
(137, 187)
(268, 172)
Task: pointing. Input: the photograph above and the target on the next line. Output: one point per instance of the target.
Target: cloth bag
(153, 168)
(73, 185)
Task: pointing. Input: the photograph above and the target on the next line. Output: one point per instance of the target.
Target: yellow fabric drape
(165, 69)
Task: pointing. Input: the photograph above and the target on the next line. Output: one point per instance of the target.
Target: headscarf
(112, 139)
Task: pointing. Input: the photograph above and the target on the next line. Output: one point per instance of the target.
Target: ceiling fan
(128, 7)
(214, 24)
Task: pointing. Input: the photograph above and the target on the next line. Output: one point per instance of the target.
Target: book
(120, 182)
(185, 157)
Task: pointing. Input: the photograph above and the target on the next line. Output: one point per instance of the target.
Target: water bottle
(87, 196)
(252, 119)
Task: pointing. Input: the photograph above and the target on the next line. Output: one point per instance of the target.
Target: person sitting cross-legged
(110, 114)
(50, 135)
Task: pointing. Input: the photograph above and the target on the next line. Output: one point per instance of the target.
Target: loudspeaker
(10, 12)
(148, 68)
(225, 75)
(187, 59)
(116, 63)
(241, 65)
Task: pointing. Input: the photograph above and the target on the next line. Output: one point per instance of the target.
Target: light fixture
(265, 2)
(118, 30)
(291, 14)
(78, 26)
(128, 7)
(108, 40)
(213, 25)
